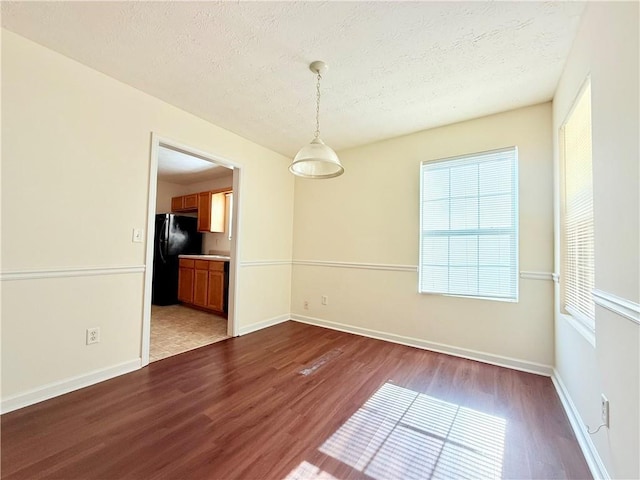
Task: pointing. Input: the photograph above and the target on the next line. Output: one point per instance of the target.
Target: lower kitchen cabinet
(185, 281)
(216, 291)
(203, 283)
(200, 280)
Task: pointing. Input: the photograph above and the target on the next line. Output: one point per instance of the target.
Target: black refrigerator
(174, 235)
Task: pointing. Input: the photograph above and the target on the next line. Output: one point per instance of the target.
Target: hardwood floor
(299, 402)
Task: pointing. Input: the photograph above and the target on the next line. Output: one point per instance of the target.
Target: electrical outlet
(604, 410)
(93, 335)
(306, 304)
(325, 300)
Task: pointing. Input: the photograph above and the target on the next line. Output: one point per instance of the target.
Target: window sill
(472, 297)
(588, 333)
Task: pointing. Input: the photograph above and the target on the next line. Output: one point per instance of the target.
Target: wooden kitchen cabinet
(203, 284)
(185, 280)
(216, 290)
(185, 203)
(200, 281)
(190, 202)
(176, 204)
(211, 207)
(211, 211)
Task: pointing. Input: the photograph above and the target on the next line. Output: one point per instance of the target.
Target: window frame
(229, 213)
(581, 322)
(515, 228)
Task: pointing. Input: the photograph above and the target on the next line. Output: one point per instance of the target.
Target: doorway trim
(156, 142)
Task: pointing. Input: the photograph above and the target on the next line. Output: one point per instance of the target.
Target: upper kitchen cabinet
(212, 208)
(212, 211)
(185, 203)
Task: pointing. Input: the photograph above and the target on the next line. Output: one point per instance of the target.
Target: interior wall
(216, 243)
(164, 193)
(606, 48)
(211, 184)
(76, 156)
(369, 219)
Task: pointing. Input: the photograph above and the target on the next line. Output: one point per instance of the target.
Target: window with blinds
(469, 225)
(577, 275)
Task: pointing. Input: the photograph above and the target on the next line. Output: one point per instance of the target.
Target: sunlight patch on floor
(400, 433)
(308, 471)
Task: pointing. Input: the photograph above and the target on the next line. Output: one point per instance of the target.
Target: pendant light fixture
(317, 160)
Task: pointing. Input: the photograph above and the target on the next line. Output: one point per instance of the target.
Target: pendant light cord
(318, 106)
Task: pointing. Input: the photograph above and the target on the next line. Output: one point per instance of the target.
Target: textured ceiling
(395, 67)
(178, 167)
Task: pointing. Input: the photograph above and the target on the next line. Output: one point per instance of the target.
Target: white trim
(621, 306)
(582, 328)
(262, 263)
(156, 142)
(67, 385)
(365, 266)
(536, 275)
(145, 341)
(555, 277)
(254, 327)
(62, 272)
(508, 362)
(234, 252)
(591, 455)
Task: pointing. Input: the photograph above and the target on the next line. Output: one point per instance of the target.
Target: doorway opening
(191, 266)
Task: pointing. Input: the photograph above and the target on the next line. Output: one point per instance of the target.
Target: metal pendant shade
(316, 160)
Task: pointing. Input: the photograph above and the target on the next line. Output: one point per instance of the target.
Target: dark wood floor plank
(281, 402)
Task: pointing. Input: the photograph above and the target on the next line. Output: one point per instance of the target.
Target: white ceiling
(395, 67)
(178, 167)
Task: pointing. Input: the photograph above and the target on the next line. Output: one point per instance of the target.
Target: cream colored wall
(76, 156)
(165, 191)
(370, 215)
(213, 184)
(216, 242)
(44, 323)
(606, 48)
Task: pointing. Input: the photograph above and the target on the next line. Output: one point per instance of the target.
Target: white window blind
(577, 276)
(469, 225)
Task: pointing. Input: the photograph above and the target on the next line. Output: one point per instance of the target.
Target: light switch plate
(138, 235)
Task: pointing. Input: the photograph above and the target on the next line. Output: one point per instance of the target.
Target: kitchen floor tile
(176, 329)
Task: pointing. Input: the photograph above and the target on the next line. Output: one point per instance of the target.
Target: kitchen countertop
(222, 258)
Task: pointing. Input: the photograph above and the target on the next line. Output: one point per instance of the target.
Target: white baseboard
(514, 363)
(254, 327)
(598, 470)
(61, 387)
